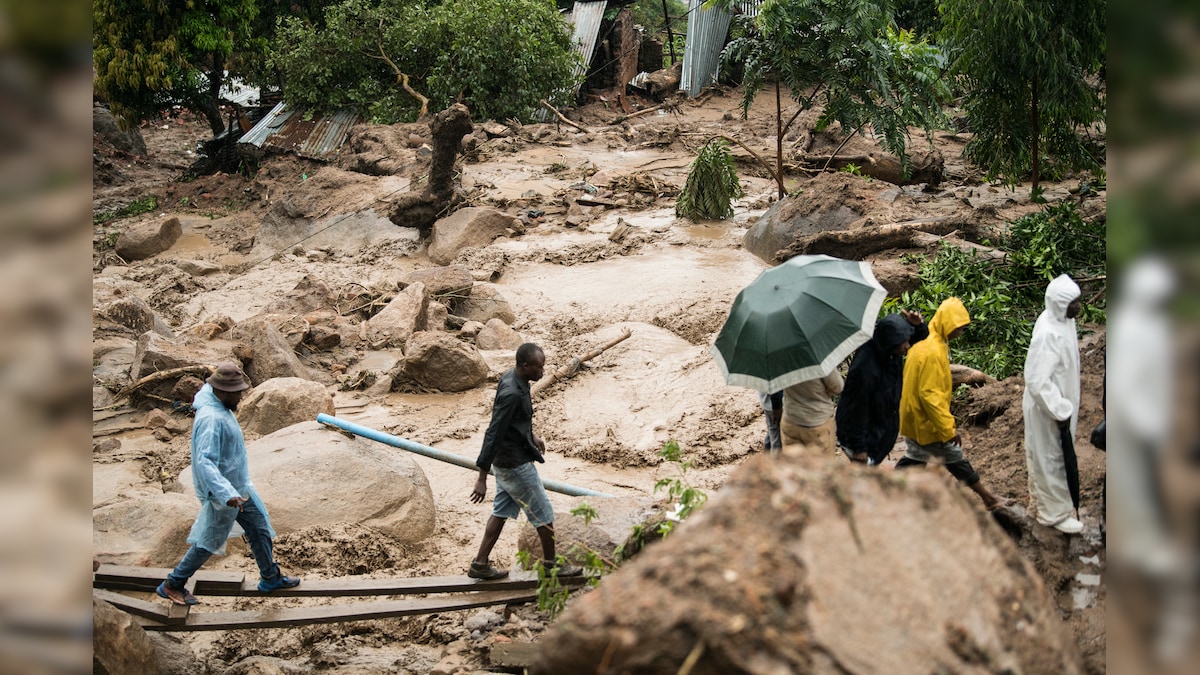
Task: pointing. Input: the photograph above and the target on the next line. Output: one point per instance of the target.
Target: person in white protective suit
(1051, 403)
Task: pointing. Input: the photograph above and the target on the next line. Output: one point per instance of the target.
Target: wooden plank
(134, 606)
(345, 587)
(128, 577)
(177, 614)
(303, 616)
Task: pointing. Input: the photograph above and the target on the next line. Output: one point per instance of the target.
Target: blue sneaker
(179, 596)
(268, 585)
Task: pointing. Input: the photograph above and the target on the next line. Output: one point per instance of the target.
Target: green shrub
(711, 186)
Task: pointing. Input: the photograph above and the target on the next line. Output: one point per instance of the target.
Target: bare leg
(491, 534)
(990, 500)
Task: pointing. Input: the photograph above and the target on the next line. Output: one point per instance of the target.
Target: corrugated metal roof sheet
(707, 28)
(586, 17)
(283, 129)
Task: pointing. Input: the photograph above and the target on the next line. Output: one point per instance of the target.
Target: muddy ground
(670, 282)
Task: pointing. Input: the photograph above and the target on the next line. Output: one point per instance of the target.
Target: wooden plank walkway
(464, 593)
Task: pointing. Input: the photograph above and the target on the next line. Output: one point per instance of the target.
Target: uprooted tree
(846, 56)
(422, 209)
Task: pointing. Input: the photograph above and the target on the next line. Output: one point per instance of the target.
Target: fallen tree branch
(858, 244)
(646, 111)
(563, 118)
(960, 374)
(573, 365)
(164, 375)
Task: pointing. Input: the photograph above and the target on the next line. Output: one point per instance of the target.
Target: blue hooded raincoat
(220, 471)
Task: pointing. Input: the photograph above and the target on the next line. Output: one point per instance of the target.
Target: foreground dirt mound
(800, 564)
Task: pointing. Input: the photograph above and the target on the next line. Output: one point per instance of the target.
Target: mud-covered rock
(484, 303)
(134, 313)
(270, 353)
(155, 353)
(120, 646)
(474, 226)
(281, 402)
(799, 562)
(440, 361)
(440, 281)
(105, 127)
(306, 296)
(147, 239)
(147, 530)
(496, 334)
(436, 316)
(403, 315)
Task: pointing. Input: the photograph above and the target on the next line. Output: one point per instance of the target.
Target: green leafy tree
(387, 57)
(1029, 70)
(712, 184)
(847, 56)
(150, 56)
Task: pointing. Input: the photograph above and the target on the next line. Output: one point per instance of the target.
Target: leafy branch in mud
(1005, 297)
(135, 208)
(711, 186)
(685, 500)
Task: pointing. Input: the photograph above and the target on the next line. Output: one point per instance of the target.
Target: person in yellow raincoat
(925, 421)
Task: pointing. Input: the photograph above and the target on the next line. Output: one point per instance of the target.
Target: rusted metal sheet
(286, 130)
(707, 28)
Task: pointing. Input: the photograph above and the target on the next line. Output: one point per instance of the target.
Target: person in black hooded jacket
(868, 412)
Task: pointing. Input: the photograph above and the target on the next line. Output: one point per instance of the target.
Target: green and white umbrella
(797, 321)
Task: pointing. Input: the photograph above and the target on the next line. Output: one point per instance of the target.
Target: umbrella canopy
(797, 321)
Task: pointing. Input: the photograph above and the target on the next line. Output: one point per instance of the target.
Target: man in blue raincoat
(221, 476)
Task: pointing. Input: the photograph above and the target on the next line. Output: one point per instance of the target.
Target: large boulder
(440, 361)
(573, 537)
(147, 239)
(495, 335)
(791, 217)
(484, 302)
(112, 358)
(120, 646)
(306, 296)
(474, 226)
(403, 315)
(270, 354)
(155, 353)
(310, 476)
(807, 565)
(439, 281)
(281, 402)
(150, 530)
(105, 125)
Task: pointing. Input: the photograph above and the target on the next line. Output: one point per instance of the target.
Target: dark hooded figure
(868, 412)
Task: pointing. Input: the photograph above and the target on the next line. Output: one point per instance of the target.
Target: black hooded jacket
(868, 412)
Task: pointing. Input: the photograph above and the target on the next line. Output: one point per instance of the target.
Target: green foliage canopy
(152, 55)
(711, 186)
(475, 51)
(1028, 70)
(848, 56)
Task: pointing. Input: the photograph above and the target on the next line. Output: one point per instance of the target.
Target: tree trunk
(422, 209)
(860, 243)
(1037, 132)
(779, 143)
(210, 107)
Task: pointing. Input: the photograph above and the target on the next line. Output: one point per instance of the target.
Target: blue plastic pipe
(434, 453)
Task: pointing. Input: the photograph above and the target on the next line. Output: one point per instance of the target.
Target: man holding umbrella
(1051, 408)
(925, 419)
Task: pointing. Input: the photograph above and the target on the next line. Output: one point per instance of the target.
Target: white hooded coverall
(1051, 395)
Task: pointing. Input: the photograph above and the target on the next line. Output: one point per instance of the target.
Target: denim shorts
(520, 489)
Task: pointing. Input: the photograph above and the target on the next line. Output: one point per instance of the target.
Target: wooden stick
(562, 118)
(639, 113)
(573, 365)
(164, 375)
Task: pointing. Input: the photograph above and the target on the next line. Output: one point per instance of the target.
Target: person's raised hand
(913, 317)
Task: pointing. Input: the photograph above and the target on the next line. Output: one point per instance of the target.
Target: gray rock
(403, 316)
(483, 619)
(473, 226)
(439, 281)
(436, 316)
(306, 296)
(119, 645)
(146, 530)
(485, 302)
(440, 361)
(198, 268)
(784, 221)
(496, 334)
(310, 476)
(270, 354)
(155, 352)
(105, 125)
(471, 329)
(281, 402)
(147, 239)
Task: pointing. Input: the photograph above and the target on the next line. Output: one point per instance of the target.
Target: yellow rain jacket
(925, 398)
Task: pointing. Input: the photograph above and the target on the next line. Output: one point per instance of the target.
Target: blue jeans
(520, 489)
(255, 525)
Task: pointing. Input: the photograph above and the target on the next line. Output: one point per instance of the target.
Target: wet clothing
(1051, 396)
(220, 472)
(810, 403)
(258, 535)
(521, 489)
(508, 441)
(772, 442)
(868, 412)
(925, 395)
(948, 453)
